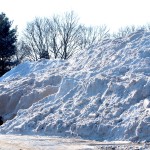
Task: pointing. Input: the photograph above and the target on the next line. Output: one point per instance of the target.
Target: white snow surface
(102, 93)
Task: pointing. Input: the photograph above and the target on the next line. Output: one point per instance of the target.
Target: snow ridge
(102, 93)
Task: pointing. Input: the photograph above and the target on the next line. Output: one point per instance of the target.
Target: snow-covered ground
(102, 93)
(18, 142)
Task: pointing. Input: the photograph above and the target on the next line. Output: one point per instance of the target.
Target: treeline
(57, 37)
(60, 36)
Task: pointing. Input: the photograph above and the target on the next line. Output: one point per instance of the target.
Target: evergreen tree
(8, 40)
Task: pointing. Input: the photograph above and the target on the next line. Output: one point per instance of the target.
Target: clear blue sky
(113, 13)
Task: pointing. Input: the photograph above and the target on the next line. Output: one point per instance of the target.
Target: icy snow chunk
(142, 130)
(146, 103)
(92, 115)
(34, 96)
(4, 100)
(144, 54)
(66, 85)
(52, 80)
(21, 70)
(137, 35)
(96, 86)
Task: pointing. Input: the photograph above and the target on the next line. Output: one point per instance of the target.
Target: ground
(19, 142)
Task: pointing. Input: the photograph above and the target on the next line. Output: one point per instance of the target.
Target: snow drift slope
(102, 93)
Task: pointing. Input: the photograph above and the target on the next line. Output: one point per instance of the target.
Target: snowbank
(102, 93)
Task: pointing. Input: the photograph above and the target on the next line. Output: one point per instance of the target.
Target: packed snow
(35, 142)
(102, 93)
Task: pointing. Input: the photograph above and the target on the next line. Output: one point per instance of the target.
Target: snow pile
(102, 93)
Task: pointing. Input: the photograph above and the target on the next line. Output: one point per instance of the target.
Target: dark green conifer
(8, 40)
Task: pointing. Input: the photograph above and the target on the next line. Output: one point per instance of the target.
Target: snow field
(102, 93)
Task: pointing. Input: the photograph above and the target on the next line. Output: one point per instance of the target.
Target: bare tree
(42, 36)
(53, 40)
(92, 35)
(24, 52)
(36, 37)
(68, 34)
(60, 36)
(56, 36)
(123, 32)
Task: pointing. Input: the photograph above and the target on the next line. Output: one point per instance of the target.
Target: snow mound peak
(102, 93)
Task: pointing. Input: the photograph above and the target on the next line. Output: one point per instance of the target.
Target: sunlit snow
(101, 93)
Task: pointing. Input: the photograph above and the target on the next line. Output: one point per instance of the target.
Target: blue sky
(113, 13)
